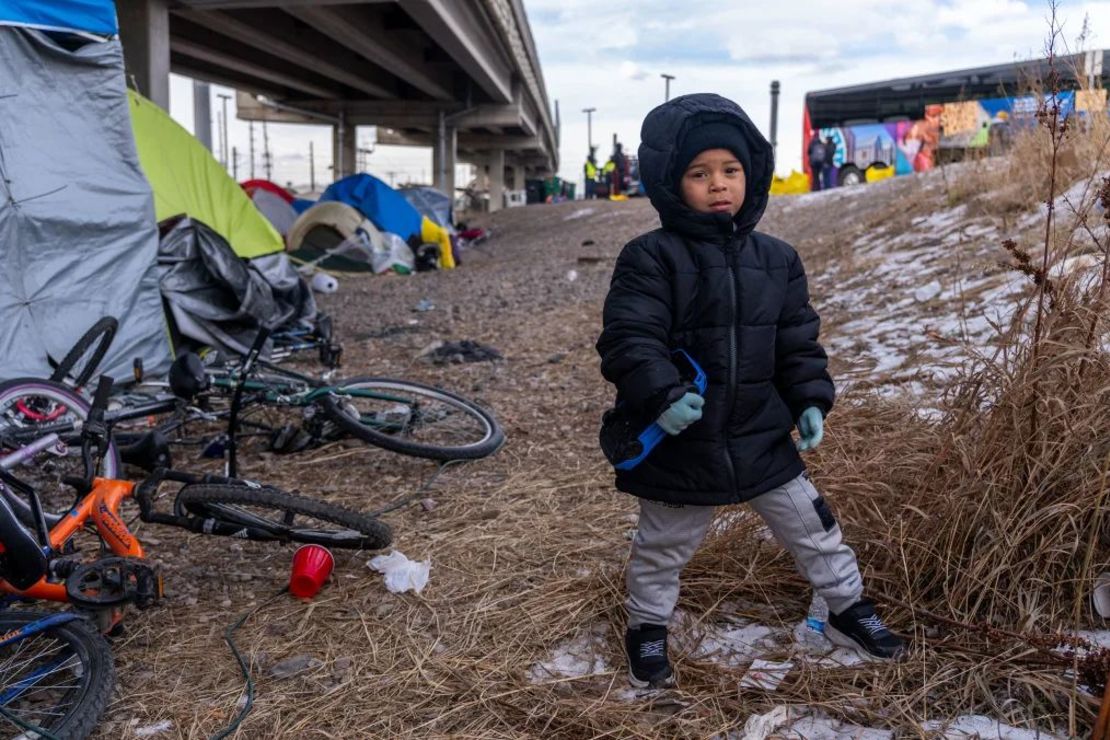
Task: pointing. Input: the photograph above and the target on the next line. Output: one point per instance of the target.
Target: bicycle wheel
(28, 407)
(81, 362)
(58, 680)
(413, 419)
(285, 516)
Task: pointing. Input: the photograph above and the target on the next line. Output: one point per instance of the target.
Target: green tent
(187, 180)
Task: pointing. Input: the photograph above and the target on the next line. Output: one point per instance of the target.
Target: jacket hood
(660, 140)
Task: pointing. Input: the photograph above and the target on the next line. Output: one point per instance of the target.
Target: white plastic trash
(401, 574)
(324, 283)
(1101, 595)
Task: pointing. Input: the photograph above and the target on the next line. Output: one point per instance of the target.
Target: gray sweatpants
(669, 534)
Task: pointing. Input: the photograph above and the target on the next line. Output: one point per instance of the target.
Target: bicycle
(208, 504)
(37, 561)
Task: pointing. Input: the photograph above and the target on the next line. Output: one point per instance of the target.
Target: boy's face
(714, 182)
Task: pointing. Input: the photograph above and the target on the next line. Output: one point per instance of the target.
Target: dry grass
(980, 533)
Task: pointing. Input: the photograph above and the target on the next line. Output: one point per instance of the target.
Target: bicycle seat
(23, 563)
(187, 376)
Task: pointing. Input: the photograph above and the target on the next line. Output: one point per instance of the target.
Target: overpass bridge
(460, 76)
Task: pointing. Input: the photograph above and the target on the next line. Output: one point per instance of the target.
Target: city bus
(912, 124)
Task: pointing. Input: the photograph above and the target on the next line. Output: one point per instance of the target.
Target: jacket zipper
(731, 369)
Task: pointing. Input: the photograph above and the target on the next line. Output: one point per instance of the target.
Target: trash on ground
(765, 674)
(1101, 595)
(466, 350)
(401, 574)
(155, 729)
(424, 304)
(292, 666)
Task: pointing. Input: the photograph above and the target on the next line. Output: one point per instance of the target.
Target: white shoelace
(652, 649)
(873, 625)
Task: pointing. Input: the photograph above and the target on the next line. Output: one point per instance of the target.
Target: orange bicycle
(56, 672)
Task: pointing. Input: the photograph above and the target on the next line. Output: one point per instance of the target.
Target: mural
(913, 146)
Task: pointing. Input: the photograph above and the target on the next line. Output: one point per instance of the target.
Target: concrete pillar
(144, 29)
(518, 177)
(444, 157)
(496, 180)
(344, 147)
(202, 113)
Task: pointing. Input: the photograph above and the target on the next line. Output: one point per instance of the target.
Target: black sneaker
(859, 627)
(648, 666)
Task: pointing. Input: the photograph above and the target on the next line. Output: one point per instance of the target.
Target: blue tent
(89, 16)
(385, 207)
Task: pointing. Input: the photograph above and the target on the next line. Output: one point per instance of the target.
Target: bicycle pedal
(114, 581)
(215, 450)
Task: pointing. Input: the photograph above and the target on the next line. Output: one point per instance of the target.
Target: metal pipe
(774, 115)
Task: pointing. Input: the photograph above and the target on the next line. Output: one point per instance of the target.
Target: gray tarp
(219, 299)
(431, 203)
(78, 238)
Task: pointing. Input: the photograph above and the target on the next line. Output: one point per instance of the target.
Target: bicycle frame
(101, 506)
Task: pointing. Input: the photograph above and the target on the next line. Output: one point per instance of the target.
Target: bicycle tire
(490, 434)
(94, 682)
(13, 420)
(101, 335)
(225, 502)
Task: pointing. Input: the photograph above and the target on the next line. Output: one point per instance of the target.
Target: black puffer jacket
(737, 301)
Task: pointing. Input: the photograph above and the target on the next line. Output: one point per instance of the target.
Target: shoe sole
(637, 683)
(836, 637)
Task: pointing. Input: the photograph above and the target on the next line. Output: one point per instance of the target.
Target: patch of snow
(155, 729)
(1098, 638)
(583, 655)
(978, 726)
(803, 722)
(734, 646)
(580, 213)
(929, 291)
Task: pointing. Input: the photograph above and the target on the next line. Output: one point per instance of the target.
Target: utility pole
(252, 150)
(589, 127)
(667, 93)
(223, 127)
(266, 152)
(235, 163)
(774, 115)
(311, 168)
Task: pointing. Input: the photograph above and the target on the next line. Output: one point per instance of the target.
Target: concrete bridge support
(144, 29)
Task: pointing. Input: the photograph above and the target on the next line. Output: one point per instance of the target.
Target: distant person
(829, 172)
(589, 171)
(736, 300)
(816, 155)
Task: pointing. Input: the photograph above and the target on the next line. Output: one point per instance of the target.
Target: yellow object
(618, 196)
(591, 170)
(874, 174)
(433, 233)
(795, 183)
(186, 179)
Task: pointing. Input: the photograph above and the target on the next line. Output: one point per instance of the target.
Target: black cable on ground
(228, 633)
(402, 502)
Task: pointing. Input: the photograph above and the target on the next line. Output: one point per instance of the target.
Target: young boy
(736, 300)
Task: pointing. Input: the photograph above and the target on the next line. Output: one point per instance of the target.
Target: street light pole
(589, 127)
(667, 94)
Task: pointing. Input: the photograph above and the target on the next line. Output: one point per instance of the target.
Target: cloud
(632, 71)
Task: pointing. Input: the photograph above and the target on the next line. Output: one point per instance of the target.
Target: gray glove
(681, 414)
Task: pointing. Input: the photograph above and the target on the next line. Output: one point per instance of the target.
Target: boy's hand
(681, 414)
(811, 428)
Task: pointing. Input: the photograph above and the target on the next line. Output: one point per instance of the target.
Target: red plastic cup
(312, 565)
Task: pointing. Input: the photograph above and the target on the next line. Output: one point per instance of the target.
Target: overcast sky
(609, 55)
